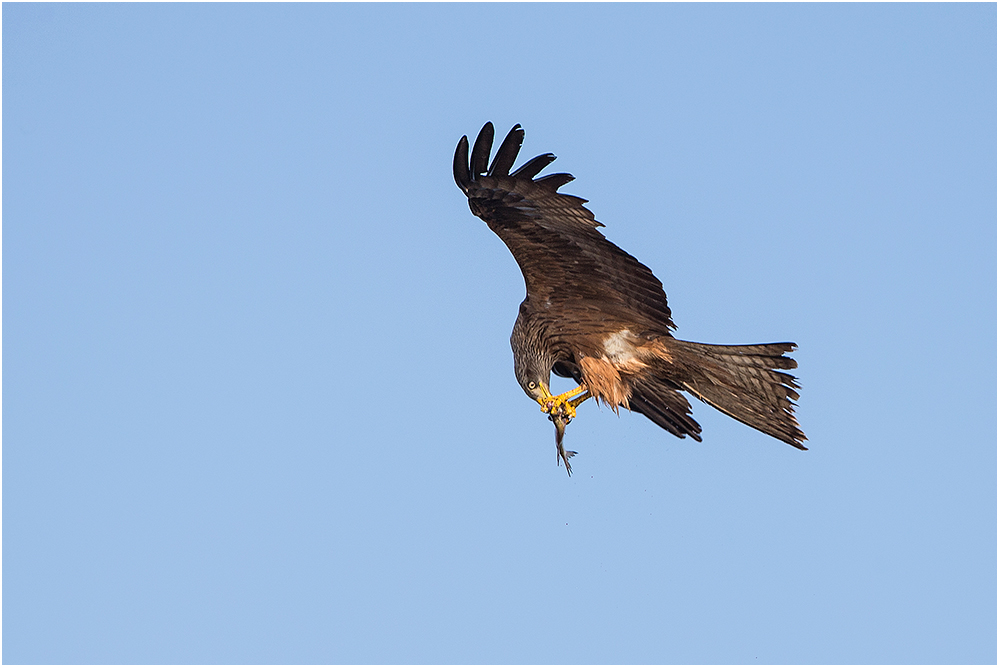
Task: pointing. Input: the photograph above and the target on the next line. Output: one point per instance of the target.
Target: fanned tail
(745, 383)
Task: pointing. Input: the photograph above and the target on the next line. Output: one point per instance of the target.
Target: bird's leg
(573, 403)
(563, 405)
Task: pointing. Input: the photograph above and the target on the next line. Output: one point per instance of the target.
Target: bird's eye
(532, 385)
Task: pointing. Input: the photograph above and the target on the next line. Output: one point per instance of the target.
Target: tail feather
(743, 382)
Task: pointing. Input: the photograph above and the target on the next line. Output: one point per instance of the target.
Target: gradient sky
(259, 399)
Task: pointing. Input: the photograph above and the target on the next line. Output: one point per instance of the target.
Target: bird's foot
(563, 406)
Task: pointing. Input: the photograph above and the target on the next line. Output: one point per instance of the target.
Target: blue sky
(259, 400)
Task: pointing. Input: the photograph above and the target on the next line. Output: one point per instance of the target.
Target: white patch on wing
(619, 349)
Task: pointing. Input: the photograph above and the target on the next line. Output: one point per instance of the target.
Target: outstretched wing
(565, 260)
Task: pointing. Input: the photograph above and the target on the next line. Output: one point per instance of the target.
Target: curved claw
(563, 405)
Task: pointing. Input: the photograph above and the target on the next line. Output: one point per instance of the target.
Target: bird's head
(533, 373)
(536, 389)
(533, 361)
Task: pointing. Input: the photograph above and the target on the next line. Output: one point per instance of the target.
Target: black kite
(596, 314)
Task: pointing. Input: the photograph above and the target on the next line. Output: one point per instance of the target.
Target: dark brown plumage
(596, 314)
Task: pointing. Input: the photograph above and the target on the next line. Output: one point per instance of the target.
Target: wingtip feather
(530, 169)
(507, 153)
(555, 181)
(461, 163)
(481, 150)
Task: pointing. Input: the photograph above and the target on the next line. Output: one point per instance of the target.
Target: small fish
(560, 420)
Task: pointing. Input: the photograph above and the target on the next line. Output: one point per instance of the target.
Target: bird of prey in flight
(597, 315)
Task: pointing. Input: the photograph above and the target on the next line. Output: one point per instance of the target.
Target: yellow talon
(565, 404)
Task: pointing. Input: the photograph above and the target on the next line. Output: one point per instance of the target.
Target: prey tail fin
(746, 383)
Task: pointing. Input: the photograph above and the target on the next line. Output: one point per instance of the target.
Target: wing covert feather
(554, 238)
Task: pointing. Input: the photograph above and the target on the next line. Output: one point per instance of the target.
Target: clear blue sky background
(259, 401)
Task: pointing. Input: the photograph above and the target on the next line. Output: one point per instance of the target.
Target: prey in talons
(564, 404)
(561, 410)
